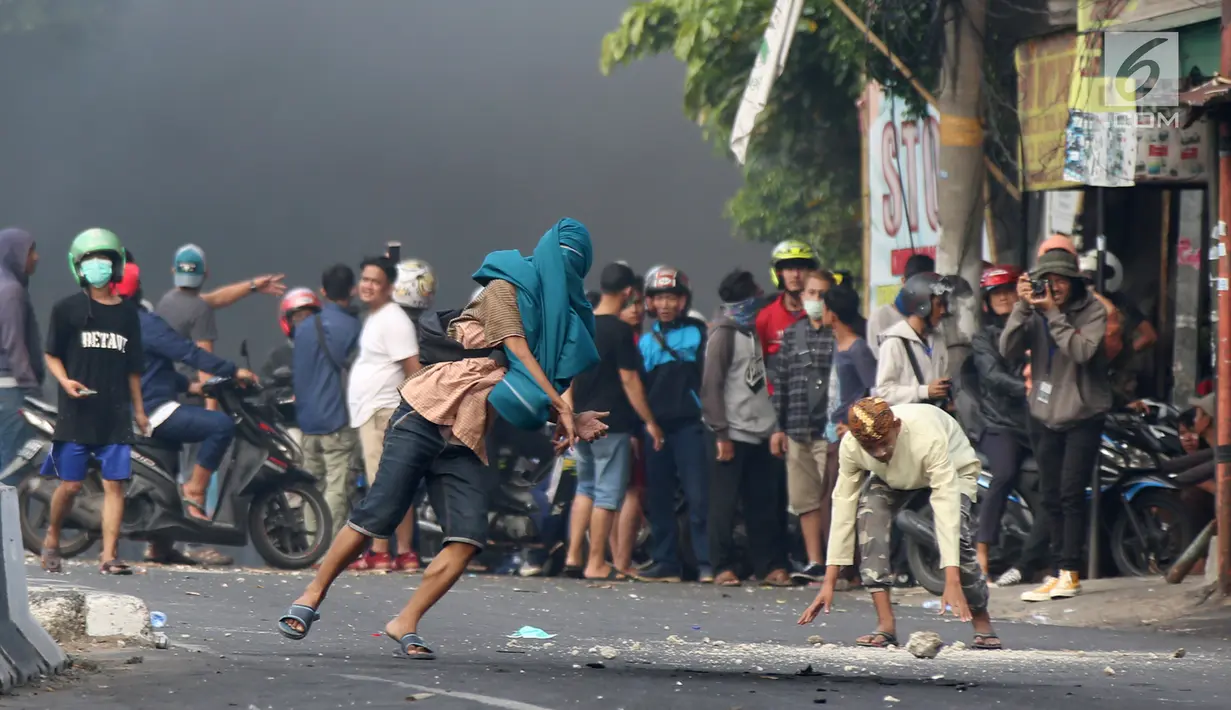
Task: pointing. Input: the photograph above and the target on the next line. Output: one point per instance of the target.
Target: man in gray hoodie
(736, 406)
(21, 352)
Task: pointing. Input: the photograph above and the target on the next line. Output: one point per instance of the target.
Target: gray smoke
(285, 135)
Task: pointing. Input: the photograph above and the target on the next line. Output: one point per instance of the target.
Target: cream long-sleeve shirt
(933, 452)
(896, 380)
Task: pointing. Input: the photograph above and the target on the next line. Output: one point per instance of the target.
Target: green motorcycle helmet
(96, 241)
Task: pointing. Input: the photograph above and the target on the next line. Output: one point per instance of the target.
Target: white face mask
(814, 309)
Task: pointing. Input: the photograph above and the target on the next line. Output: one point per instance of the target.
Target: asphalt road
(678, 646)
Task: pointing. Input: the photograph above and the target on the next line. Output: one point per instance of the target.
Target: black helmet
(918, 290)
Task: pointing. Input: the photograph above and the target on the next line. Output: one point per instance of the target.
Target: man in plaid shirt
(800, 376)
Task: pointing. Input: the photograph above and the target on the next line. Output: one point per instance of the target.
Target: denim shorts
(69, 461)
(458, 484)
(603, 468)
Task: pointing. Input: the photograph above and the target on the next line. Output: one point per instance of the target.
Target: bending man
(888, 453)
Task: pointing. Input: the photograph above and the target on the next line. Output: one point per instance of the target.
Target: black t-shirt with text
(100, 347)
(600, 388)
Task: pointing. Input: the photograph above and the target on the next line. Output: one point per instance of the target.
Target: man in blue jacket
(161, 386)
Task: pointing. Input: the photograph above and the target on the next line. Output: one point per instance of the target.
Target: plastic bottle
(158, 619)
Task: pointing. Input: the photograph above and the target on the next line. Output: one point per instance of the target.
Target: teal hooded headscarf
(555, 314)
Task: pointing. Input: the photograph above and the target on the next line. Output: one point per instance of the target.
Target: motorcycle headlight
(1136, 458)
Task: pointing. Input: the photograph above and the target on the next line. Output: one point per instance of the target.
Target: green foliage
(802, 178)
(18, 16)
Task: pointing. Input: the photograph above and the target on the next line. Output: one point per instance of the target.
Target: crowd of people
(780, 403)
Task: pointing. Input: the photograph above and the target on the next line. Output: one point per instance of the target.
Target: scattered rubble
(925, 644)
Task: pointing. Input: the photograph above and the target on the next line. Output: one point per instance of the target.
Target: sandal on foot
(613, 575)
(302, 613)
(50, 558)
(191, 504)
(727, 578)
(986, 642)
(412, 640)
(877, 639)
(573, 571)
(115, 567)
(778, 578)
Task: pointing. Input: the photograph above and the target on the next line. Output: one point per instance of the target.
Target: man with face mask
(913, 362)
(888, 453)
(94, 351)
(738, 410)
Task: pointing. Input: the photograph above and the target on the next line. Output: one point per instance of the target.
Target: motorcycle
(918, 542)
(265, 497)
(1151, 527)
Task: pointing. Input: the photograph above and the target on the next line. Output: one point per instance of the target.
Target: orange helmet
(296, 299)
(1057, 241)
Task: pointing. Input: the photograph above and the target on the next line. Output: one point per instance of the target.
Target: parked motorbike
(264, 496)
(918, 540)
(1150, 527)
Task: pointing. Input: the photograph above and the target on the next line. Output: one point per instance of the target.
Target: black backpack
(436, 346)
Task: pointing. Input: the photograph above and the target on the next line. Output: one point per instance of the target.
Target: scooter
(264, 495)
(914, 521)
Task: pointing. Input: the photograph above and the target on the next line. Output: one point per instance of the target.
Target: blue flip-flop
(302, 613)
(410, 641)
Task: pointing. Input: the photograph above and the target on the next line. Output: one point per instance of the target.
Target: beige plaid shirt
(454, 394)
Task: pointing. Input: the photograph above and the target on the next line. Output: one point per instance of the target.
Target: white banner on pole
(771, 58)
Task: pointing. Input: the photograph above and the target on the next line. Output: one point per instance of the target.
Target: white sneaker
(1011, 577)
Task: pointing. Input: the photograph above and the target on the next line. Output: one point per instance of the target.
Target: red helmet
(999, 276)
(130, 283)
(294, 300)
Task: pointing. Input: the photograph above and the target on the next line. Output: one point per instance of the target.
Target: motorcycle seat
(166, 453)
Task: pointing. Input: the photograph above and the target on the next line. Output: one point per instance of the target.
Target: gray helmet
(918, 290)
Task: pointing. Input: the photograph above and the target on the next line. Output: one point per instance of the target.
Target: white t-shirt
(387, 339)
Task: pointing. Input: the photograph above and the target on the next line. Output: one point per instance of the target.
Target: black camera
(1038, 287)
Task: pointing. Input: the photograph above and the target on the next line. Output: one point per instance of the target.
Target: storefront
(1157, 228)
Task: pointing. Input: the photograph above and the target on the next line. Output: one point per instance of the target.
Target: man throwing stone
(888, 453)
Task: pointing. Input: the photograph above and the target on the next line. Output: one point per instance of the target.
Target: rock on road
(676, 646)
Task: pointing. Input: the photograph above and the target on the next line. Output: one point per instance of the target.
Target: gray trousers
(878, 504)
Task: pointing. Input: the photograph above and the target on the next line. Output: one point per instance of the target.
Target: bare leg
(982, 553)
(113, 515)
(61, 503)
(403, 533)
(810, 530)
(347, 545)
(625, 530)
(885, 623)
(579, 521)
(601, 521)
(196, 489)
(439, 577)
(381, 547)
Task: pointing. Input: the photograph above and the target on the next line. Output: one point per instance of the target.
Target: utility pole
(962, 172)
(1223, 378)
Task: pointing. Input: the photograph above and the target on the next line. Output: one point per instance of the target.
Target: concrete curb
(27, 651)
(74, 616)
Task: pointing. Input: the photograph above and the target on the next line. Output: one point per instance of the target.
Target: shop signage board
(903, 170)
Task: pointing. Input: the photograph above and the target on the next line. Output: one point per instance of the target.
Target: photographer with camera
(913, 361)
(1062, 326)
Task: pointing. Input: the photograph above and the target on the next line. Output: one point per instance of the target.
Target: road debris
(925, 644)
(531, 632)
(816, 640)
(1179, 653)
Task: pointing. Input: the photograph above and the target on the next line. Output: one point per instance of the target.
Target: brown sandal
(778, 578)
(115, 568)
(727, 578)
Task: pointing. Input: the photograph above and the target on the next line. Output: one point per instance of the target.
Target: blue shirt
(320, 398)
